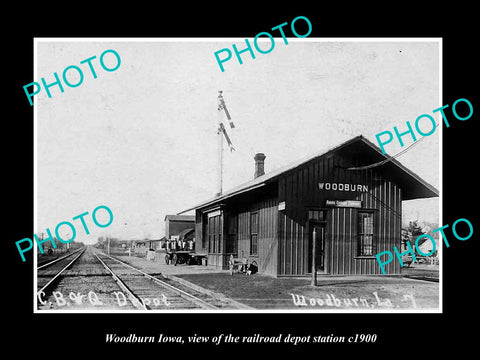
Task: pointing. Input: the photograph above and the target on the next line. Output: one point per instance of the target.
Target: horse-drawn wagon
(182, 253)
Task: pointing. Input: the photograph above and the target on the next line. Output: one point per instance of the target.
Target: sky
(142, 139)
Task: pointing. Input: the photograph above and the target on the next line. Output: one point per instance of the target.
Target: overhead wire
(379, 163)
(390, 158)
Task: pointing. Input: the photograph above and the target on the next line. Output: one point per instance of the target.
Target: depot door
(316, 233)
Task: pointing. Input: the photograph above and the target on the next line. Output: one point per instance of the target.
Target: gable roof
(180, 217)
(412, 185)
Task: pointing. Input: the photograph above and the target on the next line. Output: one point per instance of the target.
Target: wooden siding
(266, 257)
(293, 247)
(299, 189)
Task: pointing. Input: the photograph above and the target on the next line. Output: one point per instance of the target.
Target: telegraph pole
(220, 152)
(221, 133)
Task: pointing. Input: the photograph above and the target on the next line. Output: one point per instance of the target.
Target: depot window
(254, 233)
(366, 245)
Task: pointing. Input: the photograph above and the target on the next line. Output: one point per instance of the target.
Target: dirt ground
(422, 271)
(332, 293)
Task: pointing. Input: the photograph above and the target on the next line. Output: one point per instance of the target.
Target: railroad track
(78, 282)
(179, 296)
(53, 270)
(90, 279)
(58, 260)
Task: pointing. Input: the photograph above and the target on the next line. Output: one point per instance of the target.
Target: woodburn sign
(342, 187)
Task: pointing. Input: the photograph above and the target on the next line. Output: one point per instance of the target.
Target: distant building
(421, 246)
(427, 246)
(176, 224)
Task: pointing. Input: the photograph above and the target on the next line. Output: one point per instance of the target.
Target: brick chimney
(259, 164)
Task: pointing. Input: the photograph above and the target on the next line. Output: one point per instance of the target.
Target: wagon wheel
(167, 259)
(181, 259)
(175, 259)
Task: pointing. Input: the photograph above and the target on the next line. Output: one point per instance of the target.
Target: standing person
(231, 264)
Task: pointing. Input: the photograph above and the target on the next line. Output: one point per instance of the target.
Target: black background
(84, 334)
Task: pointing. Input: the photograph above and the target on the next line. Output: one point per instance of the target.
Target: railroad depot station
(353, 211)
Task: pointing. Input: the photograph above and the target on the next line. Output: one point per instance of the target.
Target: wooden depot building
(355, 210)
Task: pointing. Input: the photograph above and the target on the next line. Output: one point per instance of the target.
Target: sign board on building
(214, 213)
(281, 206)
(344, 203)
